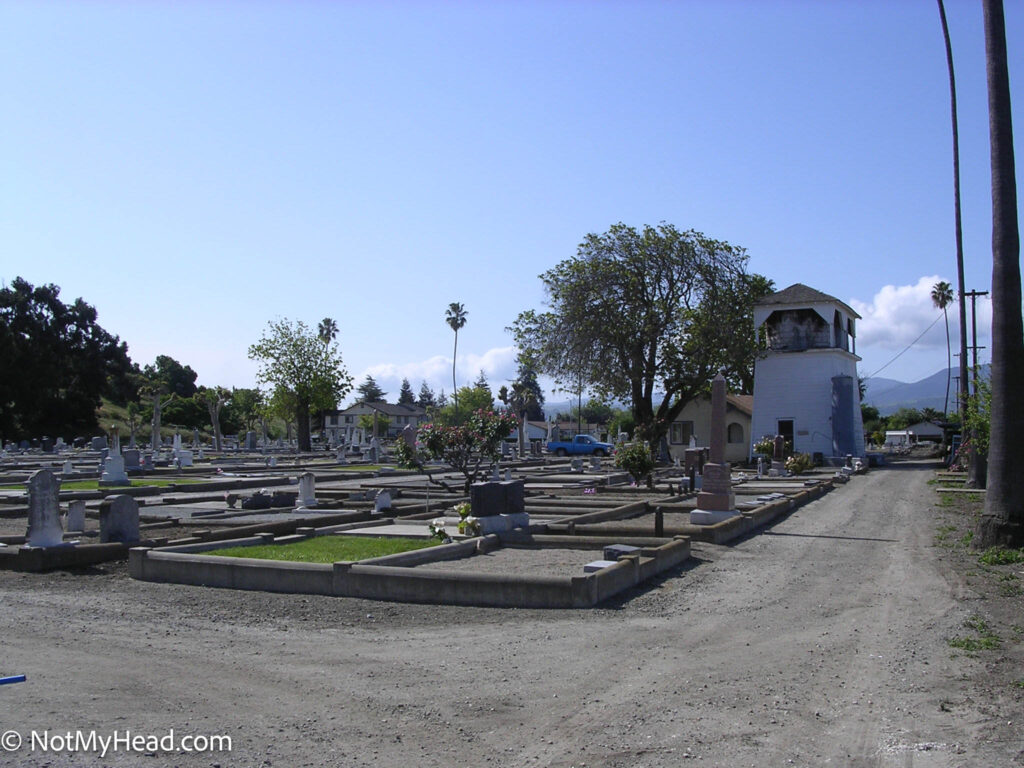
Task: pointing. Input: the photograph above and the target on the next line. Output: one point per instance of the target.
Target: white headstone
(43, 510)
(381, 502)
(307, 490)
(272, 461)
(76, 515)
(113, 471)
(68, 468)
(184, 458)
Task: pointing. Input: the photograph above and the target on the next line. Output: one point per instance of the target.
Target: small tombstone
(46, 445)
(408, 434)
(508, 475)
(184, 458)
(195, 439)
(381, 502)
(43, 510)
(595, 463)
(113, 471)
(200, 455)
(98, 443)
(780, 448)
(250, 441)
(132, 459)
(495, 474)
(576, 465)
(307, 490)
(119, 519)
(272, 461)
(506, 449)
(76, 515)
(176, 444)
(147, 462)
(68, 468)
(259, 500)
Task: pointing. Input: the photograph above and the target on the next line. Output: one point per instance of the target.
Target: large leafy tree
(55, 363)
(178, 379)
(1003, 519)
(648, 316)
(304, 371)
(455, 316)
(526, 394)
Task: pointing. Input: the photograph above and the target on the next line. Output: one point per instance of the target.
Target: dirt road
(821, 641)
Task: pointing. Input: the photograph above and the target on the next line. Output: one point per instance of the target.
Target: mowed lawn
(328, 549)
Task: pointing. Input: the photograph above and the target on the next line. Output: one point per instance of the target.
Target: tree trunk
(302, 428)
(958, 231)
(155, 433)
(1002, 522)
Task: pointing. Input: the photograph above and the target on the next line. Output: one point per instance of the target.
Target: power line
(903, 350)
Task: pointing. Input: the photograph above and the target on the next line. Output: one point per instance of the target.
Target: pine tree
(405, 395)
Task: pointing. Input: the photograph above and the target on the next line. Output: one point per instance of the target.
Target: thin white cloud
(498, 365)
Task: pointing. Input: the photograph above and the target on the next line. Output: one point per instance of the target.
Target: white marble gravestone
(307, 490)
(43, 510)
(113, 471)
(76, 515)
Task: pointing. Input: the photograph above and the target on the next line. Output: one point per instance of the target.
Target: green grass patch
(1001, 556)
(328, 549)
(984, 639)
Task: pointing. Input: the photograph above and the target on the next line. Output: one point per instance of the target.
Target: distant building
(805, 386)
(339, 426)
(695, 421)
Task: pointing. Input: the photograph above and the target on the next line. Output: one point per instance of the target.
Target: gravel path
(821, 641)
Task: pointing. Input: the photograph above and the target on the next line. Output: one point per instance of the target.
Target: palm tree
(942, 295)
(958, 230)
(455, 316)
(1002, 521)
(327, 330)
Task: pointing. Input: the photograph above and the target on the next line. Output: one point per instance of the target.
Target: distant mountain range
(889, 395)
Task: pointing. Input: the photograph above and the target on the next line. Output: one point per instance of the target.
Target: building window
(348, 419)
(735, 433)
(680, 432)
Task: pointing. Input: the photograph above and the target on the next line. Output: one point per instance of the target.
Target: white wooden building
(805, 386)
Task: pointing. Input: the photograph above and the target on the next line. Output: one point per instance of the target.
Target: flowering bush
(467, 446)
(636, 459)
(799, 462)
(406, 456)
(438, 532)
(765, 446)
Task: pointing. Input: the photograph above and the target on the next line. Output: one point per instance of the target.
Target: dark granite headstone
(119, 519)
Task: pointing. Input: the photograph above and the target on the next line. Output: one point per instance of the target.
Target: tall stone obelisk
(716, 500)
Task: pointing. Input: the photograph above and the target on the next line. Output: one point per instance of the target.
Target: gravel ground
(821, 641)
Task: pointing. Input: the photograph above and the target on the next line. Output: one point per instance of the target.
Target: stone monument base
(710, 517)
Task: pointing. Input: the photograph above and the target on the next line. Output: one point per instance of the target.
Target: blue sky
(196, 169)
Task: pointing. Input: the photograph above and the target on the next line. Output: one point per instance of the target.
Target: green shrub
(799, 463)
(636, 459)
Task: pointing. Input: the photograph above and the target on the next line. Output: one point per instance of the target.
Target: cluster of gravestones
(119, 515)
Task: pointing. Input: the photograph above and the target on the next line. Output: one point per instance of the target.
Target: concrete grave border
(393, 577)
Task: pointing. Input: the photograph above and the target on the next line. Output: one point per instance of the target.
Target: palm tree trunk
(1002, 521)
(455, 389)
(961, 288)
(949, 364)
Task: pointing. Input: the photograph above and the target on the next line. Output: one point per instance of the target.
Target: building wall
(698, 412)
(798, 386)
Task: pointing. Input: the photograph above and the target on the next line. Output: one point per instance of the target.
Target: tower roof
(800, 294)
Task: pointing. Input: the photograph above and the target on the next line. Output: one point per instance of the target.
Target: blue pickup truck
(581, 445)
